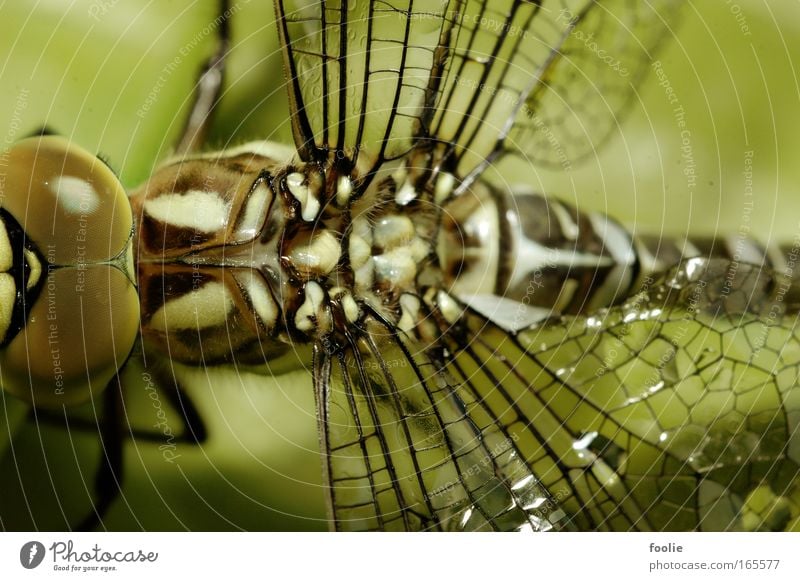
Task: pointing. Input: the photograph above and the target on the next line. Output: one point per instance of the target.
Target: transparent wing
(546, 79)
(402, 452)
(609, 49)
(470, 79)
(359, 75)
(677, 411)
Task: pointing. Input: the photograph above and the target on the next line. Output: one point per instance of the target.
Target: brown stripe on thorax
(190, 206)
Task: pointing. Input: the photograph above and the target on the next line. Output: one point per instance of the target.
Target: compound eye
(68, 305)
(67, 200)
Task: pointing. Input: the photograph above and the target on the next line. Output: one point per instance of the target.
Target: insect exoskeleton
(345, 250)
(207, 238)
(534, 250)
(69, 310)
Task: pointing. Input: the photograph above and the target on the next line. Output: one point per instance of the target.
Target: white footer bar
(406, 557)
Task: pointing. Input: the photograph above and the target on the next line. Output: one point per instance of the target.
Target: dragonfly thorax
(348, 248)
(249, 253)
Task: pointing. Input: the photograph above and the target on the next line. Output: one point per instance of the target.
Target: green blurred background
(84, 68)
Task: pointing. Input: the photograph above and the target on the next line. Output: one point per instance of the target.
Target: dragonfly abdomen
(540, 252)
(546, 254)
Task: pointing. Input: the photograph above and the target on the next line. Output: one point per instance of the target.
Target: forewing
(677, 411)
(359, 73)
(402, 452)
(548, 80)
(610, 48)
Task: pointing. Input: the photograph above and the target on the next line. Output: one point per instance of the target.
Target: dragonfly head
(68, 304)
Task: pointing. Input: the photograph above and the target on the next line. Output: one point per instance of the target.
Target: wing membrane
(546, 79)
(609, 48)
(359, 75)
(677, 411)
(402, 452)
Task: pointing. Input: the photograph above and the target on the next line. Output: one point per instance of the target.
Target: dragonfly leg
(113, 429)
(195, 432)
(109, 475)
(207, 88)
(195, 428)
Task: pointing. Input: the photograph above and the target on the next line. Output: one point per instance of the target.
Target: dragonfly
(483, 357)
